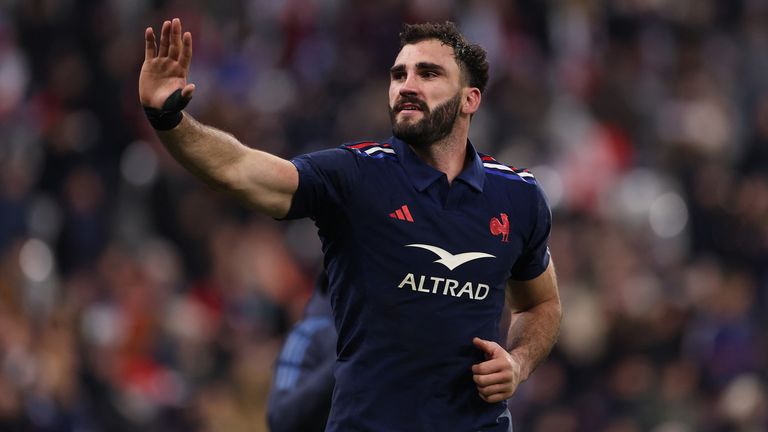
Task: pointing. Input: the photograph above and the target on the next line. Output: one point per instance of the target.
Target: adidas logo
(402, 214)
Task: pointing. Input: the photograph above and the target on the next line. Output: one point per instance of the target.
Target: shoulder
(503, 172)
(371, 149)
(517, 184)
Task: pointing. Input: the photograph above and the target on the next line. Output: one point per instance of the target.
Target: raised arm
(260, 179)
(535, 324)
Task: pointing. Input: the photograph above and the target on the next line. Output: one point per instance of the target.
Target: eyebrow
(419, 66)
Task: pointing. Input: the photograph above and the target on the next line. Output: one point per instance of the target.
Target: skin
(425, 72)
(259, 179)
(535, 324)
(428, 72)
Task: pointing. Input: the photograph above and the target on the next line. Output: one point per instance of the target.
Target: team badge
(500, 227)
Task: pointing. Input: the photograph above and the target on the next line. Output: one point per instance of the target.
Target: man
(422, 236)
(300, 398)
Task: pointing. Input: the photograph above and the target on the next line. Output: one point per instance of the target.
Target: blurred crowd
(134, 297)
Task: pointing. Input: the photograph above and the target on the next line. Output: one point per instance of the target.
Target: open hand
(496, 378)
(166, 68)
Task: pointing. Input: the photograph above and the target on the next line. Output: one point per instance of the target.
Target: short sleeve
(535, 257)
(325, 180)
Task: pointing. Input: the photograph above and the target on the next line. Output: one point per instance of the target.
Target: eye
(397, 76)
(430, 74)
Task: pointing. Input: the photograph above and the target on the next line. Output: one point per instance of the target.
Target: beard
(435, 125)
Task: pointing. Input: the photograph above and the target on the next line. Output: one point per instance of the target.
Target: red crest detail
(501, 227)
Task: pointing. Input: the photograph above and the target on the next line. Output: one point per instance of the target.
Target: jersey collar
(422, 175)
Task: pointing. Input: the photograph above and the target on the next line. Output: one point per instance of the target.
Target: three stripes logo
(402, 214)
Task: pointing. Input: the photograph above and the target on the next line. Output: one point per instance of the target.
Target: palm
(166, 67)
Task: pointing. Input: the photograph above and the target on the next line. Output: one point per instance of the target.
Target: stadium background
(132, 297)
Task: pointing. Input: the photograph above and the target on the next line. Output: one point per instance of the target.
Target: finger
(495, 389)
(165, 39)
(150, 49)
(488, 347)
(175, 48)
(187, 91)
(186, 51)
(492, 379)
(494, 398)
(488, 367)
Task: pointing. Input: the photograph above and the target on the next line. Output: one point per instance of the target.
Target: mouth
(409, 106)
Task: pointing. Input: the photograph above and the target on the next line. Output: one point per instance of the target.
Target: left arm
(535, 324)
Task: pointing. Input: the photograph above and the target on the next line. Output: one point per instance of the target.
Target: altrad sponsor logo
(444, 286)
(449, 260)
(447, 286)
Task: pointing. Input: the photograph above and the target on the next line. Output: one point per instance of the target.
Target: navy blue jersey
(417, 268)
(300, 397)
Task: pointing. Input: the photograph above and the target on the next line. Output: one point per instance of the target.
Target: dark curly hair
(470, 57)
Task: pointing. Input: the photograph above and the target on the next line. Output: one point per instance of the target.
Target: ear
(471, 100)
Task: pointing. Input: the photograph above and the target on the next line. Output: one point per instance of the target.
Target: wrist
(519, 360)
(170, 115)
(163, 120)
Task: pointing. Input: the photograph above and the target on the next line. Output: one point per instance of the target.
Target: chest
(457, 232)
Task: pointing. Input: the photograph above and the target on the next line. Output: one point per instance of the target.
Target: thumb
(179, 99)
(488, 347)
(187, 91)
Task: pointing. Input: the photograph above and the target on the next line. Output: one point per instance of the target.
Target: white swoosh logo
(449, 260)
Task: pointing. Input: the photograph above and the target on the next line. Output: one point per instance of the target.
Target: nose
(408, 87)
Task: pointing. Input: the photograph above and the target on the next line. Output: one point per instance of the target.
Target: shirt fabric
(300, 396)
(417, 267)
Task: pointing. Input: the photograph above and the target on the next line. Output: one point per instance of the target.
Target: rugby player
(423, 237)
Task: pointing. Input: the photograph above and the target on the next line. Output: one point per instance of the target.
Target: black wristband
(170, 115)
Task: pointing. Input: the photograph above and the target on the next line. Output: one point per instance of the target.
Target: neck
(448, 155)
